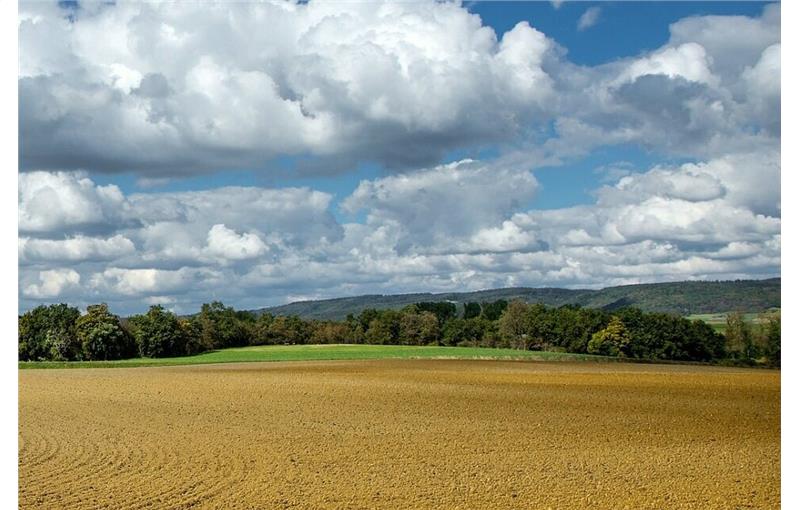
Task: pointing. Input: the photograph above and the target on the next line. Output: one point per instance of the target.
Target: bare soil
(400, 434)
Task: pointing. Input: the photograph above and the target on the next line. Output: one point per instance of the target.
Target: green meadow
(322, 352)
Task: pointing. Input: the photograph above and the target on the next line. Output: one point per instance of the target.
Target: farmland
(718, 321)
(415, 433)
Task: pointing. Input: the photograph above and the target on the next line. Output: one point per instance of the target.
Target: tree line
(61, 333)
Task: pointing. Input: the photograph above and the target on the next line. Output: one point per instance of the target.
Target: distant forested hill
(682, 298)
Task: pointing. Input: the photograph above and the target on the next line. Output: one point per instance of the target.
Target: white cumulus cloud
(76, 249)
(228, 245)
(53, 283)
(66, 201)
(204, 85)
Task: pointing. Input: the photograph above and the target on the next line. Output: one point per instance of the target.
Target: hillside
(682, 298)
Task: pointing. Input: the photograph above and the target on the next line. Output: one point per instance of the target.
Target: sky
(262, 153)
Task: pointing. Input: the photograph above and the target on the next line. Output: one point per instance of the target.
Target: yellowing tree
(611, 341)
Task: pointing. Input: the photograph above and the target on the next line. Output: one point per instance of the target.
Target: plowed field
(400, 434)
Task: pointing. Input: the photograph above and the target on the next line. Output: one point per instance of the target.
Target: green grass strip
(323, 352)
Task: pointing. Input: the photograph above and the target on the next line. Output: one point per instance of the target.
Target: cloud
(731, 42)
(505, 238)
(205, 87)
(688, 61)
(589, 18)
(433, 206)
(695, 97)
(180, 89)
(140, 282)
(404, 84)
(692, 183)
(228, 245)
(76, 249)
(61, 202)
(762, 82)
(53, 283)
(465, 225)
(179, 228)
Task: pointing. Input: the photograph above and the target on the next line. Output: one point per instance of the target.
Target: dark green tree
(192, 334)
(385, 328)
(261, 330)
(472, 332)
(493, 311)
(48, 333)
(471, 310)
(221, 326)
(769, 337)
(158, 333)
(443, 310)
(101, 335)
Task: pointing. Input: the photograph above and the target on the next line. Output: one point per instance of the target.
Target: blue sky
(624, 29)
(333, 149)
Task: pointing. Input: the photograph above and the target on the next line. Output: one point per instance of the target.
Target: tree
(418, 328)
(48, 333)
(739, 337)
(443, 310)
(289, 330)
(329, 332)
(158, 333)
(466, 331)
(611, 341)
(192, 334)
(365, 318)
(261, 330)
(493, 311)
(101, 335)
(379, 332)
(573, 327)
(355, 331)
(704, 343)
(384, 328)
(540, 326)
(222, 326)
(769, 336)
(471, 310)
(774, 339)
(513, 325)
